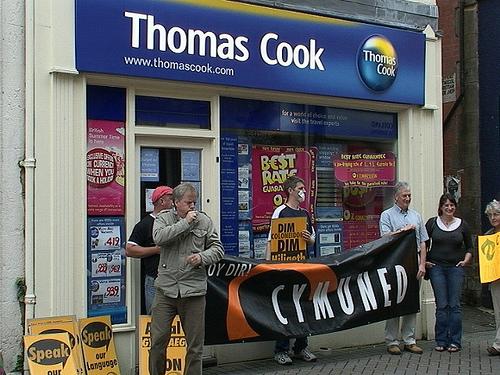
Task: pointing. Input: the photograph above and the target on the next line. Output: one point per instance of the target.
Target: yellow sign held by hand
(489, 257)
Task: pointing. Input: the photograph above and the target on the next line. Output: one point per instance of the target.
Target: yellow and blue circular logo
(377, 63)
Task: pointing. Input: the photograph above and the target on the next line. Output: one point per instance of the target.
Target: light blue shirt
(395, 218)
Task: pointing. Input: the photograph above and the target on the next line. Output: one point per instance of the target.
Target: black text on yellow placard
(50, 354)
(61, 324)
(176, 350)
(98, 346)
(287, 243)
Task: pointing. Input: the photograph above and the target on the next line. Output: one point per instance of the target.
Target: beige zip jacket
(179, 239)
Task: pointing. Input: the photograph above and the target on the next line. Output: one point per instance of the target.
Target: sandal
(492, 351)
(454, 348)
(439, 348)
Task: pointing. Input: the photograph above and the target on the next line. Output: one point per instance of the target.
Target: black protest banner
(250, 300)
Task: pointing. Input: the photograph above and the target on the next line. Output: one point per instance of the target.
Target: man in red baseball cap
(159, 192)
(141, 244)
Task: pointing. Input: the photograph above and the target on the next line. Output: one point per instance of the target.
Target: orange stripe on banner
(236, 322)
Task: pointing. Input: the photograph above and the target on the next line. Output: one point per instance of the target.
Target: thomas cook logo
(377, 63)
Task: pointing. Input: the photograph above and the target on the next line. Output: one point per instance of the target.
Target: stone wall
(12, 103)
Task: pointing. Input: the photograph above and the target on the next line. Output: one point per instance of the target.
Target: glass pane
(168, 112)
(345, 157)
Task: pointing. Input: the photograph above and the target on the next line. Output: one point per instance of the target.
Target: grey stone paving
(374, 360)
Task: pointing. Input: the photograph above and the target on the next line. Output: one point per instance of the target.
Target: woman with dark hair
(449, 251)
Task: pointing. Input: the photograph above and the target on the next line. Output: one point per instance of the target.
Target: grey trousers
(191, 311)
(495, 296)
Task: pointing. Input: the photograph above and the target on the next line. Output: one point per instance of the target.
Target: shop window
(168, 112)
(346, 158)
(105, 165)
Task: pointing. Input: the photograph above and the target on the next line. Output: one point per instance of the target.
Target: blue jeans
(447, 284)
(284, 345)
(149, 292)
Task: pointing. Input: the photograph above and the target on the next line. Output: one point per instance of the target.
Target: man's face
(186, 203)
(403, 199)
(298, 193)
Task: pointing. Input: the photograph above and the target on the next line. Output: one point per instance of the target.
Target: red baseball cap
(160, 191)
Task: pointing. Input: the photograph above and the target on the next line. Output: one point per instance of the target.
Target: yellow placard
(489, 257)
(61, 324)
(287, 243)
(176, 350)
(98, 345)
(50, 354)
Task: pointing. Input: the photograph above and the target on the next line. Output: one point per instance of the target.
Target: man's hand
(421, 271)
(194, 259)
(406, 227)
(306, 235)
(191, 216)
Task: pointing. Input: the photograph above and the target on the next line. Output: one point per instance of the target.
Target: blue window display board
(106, 288)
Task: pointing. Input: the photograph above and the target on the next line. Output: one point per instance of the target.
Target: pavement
(478, 328)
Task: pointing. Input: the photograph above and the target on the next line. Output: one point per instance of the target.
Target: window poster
(362, 208)
(150, 164)
(259, 245)
(229, 193)
(148, 195)
(105, 168)
(329, 238)
(366, 169)
(106, 268)
(271, 166)
(190, 165)
(245, 239)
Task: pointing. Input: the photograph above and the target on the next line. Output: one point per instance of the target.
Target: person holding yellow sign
(296, 194)
(493, 213)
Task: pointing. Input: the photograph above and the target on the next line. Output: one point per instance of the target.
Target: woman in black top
(450, 251)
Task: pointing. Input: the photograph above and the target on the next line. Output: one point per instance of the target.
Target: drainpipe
(29, 162)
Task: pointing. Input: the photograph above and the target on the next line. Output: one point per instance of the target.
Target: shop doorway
(160, 165)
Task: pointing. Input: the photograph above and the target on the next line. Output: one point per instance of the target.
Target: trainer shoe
(394, 350)
(306, 355)
(413, 348)
(283, 358)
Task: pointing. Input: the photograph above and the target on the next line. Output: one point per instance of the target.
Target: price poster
(106, 268)
(107, 264)
(105, 237)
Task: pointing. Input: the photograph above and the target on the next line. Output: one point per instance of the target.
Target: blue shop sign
(234, 44)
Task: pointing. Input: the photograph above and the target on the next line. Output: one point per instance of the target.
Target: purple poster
(105, 168)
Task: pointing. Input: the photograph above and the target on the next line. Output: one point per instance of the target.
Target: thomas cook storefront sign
(227, 43)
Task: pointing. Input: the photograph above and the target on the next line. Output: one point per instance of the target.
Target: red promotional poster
(105, 168)
(366, 169)
(271, 166)
(362, 207)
